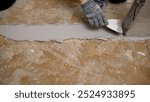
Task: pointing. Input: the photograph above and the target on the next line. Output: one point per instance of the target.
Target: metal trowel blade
(115, 25)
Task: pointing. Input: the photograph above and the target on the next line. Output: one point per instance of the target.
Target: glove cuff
(88, 5)
(101, 3)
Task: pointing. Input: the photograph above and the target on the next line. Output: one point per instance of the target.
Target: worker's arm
(94, 13)
(83, 1)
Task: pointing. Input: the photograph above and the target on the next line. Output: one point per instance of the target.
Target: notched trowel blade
(115, 25)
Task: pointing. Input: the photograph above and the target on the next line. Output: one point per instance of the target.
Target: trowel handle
(131, 16)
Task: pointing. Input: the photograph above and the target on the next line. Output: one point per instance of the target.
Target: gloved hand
(94, 14)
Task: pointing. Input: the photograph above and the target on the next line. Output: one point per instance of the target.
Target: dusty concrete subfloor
(72, 61)
(75, 62)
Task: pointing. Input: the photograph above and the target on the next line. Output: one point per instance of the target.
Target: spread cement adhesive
(60, 32)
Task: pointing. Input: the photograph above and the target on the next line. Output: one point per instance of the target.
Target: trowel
(58, 32)
(115, 25)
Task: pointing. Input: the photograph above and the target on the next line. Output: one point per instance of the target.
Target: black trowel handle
(131, 16)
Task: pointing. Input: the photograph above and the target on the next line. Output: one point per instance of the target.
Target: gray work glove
(94, 14)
